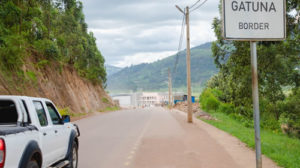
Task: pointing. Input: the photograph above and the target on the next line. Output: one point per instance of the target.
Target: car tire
(73, 157)
(32, 164)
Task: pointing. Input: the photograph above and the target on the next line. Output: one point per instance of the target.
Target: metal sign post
(255, 97)
(254, 20)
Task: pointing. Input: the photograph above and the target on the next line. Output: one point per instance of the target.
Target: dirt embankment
(182, 106)
(62, 85)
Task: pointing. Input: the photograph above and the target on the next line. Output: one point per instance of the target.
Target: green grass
(105, 100)
(32, 76)
(113, 108)
(284, 150)
(66, 111)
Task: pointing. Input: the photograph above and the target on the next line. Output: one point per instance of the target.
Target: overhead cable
(198, 6)
(195, 4)
(179, 45)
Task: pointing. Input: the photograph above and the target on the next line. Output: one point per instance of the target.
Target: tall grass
(284, 150)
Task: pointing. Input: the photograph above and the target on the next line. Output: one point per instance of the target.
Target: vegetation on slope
(47, 31)
(154, 76)
(229, 94)
(279, 147)
(276, 145)
(278, 72)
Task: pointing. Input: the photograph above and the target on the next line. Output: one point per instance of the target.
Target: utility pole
(170, 87)
(188, 63)
(188, 66)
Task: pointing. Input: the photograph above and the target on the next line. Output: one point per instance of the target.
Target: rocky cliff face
(61, 84)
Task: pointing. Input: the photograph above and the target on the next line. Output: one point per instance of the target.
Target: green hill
(154, 76)
(110, 70)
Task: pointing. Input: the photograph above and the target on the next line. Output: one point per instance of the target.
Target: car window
(8, 112)
(53, 113)
(41, 113)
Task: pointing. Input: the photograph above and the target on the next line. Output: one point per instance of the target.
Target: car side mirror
(66, 119)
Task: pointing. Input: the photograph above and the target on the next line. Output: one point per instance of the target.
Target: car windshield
(8, 112)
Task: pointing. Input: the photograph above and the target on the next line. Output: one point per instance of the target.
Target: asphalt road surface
(158, 138)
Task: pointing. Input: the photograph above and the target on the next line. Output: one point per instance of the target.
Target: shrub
(226, 108)
(244, 111)
(42, 63)
(64, 111)
(105, 100)
(209, 101)
(212, 103)
(290, 118)
(47, 48)
(12, 52)
(270, 123)
(32, 76)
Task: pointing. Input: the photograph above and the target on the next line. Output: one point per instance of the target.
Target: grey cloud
(125, 28)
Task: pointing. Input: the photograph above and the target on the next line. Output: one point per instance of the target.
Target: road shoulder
(238, 150)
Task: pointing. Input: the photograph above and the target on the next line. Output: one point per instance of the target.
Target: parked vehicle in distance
(34, 135)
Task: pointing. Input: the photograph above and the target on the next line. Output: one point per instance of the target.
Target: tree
(277, 64)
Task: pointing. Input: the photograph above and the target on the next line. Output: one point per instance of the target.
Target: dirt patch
(62, 85)
(182, 106)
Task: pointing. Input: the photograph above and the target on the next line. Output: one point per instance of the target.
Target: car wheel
(73, 157)
(32, 164)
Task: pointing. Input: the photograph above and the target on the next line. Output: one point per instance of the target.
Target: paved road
(158, 138)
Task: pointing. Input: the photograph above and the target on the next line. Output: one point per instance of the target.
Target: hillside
(154, 76)
(65, 88)
(110, 70)
(46, 51)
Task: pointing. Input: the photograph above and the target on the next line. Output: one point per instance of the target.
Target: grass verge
(284, 150)
(113, 108)
(66, 111)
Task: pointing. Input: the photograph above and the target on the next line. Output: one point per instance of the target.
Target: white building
(143, 99)
(124, 100)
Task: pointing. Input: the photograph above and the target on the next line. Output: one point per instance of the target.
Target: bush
(209, 101)
(244, 111)
(245, 121)
(226, 108)
(290, 118)
(32, 76)
(105, 100)
(12, 52)
(47, 48)
(64, 111)
(42, 64)
(270, 123)
(212, 103)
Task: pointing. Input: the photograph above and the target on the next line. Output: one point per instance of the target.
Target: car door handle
(44, 133)
(55, 131)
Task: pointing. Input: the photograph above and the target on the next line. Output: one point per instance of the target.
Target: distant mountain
(154, 76)
(110, 70)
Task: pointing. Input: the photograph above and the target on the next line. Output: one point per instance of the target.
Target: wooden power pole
(170, 87)
(188, 66)
(188, 63)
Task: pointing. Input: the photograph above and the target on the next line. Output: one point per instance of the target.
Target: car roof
(22, 97)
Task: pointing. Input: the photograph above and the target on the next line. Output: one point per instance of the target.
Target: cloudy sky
(130, 32)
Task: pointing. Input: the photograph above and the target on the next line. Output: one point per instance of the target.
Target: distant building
(150, 99)
(123, 99)
(145, 99)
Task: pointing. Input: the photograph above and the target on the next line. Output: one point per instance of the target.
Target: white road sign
(254, 20)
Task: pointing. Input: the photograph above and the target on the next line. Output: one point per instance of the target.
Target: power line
(179, 45)
(182, 32)
(198, 6)
(195, 4)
